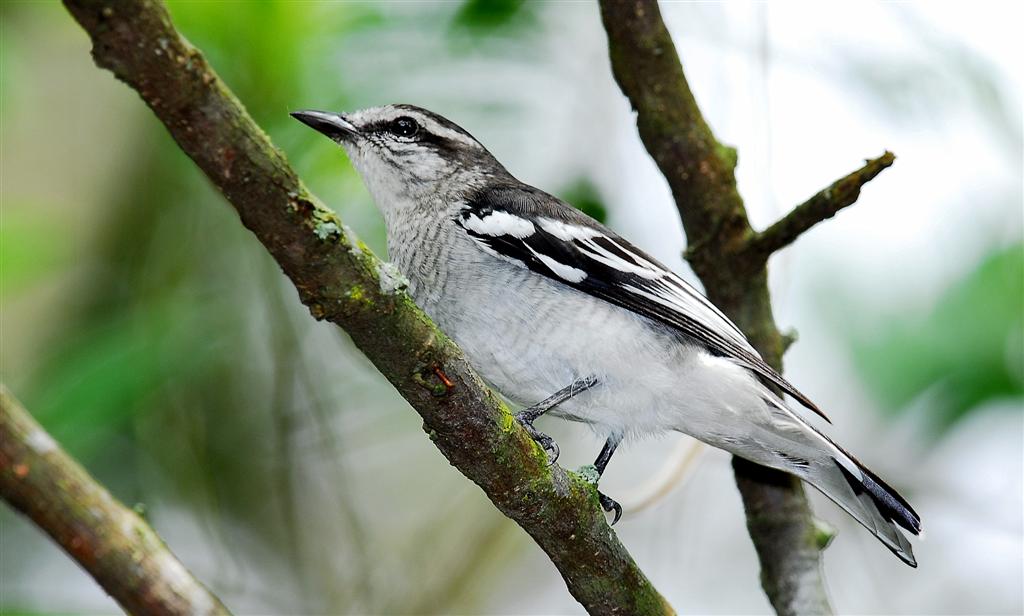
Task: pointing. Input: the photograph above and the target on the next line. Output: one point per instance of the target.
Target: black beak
(333, 125)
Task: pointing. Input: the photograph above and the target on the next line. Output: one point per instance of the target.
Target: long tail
(796, 447)
(752, 422)
(868, 499)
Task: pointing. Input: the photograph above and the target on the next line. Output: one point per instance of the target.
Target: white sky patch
(500, 223)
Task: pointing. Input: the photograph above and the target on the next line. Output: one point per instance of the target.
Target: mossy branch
(111, 542)
(339, 279)
(730, 258)
(824, 205)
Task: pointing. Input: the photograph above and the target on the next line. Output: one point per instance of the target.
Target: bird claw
(546, 442)
(609, 506)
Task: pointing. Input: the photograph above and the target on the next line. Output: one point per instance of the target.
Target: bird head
(405, 153)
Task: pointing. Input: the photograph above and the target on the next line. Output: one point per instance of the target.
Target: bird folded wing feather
(535, 230)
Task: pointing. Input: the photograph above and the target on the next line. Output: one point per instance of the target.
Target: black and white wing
(535, 230)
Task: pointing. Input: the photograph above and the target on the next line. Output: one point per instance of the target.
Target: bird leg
(527, 416)
(600, 464)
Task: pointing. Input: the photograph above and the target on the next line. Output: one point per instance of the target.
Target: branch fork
(730, 258)
(338, 278)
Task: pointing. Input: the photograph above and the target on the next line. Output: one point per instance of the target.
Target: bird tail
(872, 502)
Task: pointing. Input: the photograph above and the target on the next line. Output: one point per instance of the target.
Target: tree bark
(111, 542)
(340, 280)
(730, 258)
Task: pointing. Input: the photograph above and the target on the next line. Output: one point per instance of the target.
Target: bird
(559, 314)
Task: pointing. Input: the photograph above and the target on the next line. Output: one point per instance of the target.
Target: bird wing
(535, 230)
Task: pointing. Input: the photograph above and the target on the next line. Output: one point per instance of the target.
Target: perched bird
(557, 311)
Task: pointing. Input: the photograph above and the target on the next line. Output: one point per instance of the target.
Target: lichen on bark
(338, 278)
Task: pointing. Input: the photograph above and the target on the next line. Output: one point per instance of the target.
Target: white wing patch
(561, 270)
(565, 231)
(664, 287)
(594, 260)
(671, 291)
(498, 223)
(635, 265)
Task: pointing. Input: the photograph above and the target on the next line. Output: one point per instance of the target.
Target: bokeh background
(160, 344)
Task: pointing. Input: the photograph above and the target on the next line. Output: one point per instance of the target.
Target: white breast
(529, 336)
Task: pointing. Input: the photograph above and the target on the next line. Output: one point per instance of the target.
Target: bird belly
(529, 337)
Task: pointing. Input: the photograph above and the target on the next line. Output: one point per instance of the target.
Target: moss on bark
(337, 277)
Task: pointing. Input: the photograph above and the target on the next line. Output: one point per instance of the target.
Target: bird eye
(404, 127)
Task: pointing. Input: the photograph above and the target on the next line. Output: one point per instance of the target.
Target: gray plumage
(539, 295)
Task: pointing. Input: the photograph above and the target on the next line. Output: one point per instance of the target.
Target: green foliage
(265, 53)
(969, 349)
(106, 373)
(485, 15)
(27, 248)
(584, 197)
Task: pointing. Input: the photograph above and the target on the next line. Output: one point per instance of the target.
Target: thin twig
(111, 542)
(699, 170)
(824, 205)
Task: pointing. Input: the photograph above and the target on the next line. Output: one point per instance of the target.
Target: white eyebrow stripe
(499, 223)
(436, 128)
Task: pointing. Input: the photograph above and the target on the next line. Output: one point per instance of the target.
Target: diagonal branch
(111, 542)
(340, 280)
(824, 205)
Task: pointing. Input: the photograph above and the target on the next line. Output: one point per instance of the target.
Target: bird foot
(609, 506)
(546, 442)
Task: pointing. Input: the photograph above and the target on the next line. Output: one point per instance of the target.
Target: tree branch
(340, 280)
(826, 204)
(700, 173)
(111, 542)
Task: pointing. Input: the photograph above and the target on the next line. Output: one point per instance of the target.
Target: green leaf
(484, 15)
(30, 247)
(968, 350)
(584, 197)
(99, 378)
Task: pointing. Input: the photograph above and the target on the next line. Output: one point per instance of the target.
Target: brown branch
(699, 171)
(826, 204)
(111, 542)
(340, 280)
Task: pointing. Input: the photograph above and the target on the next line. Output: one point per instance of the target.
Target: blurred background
(154, 337)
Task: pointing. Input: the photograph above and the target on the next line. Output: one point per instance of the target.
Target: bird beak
(333, 125)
